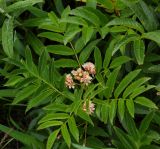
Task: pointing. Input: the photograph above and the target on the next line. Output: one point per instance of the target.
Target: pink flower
(90, 67)
(90, 109)
(82, 76)
(86, 78)
(69, 81)
(77, 74)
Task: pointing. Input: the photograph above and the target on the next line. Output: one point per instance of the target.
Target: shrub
(80, 74)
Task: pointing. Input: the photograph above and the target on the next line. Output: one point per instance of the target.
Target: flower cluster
(69, 81)
(89, 67)
(88, 108)
(83, 75)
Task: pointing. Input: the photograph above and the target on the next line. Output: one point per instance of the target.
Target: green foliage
(113, 104)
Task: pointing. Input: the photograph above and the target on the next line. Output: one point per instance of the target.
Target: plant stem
(75, 55)
(6, 14)
(85, 134)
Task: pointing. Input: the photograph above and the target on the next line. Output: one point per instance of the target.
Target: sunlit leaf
(130, 106)
(119, 61)
(145, 102)
(121, 108)
(112, 110)
(7, 37)
(134, 85)
(153, 36)
(51, 139)
(98, 60)
(139, 51)
(63, 63)
(52, 36)
(127, 22)
(66, 135)
(49, 124)
(146, 122)
(87, 33)
(86, 14)
(124, 83)
(73, 128)
(22, 5)
(111, 82)
(60, 50)
(87, 51)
